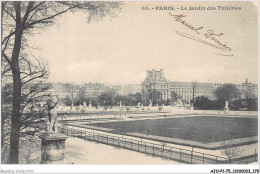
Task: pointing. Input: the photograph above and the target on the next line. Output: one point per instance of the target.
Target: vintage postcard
(170, 83)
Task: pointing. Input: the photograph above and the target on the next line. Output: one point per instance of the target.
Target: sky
(119, 50)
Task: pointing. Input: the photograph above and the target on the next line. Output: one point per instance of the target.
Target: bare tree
(21, 20)
(33, 92)
(193, 87)
(232, 150)
(72, 89)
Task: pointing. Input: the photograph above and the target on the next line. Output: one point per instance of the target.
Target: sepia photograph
(170, 83)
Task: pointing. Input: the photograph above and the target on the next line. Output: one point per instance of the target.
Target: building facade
(93, 90)
(61, 92)
(127, 89)
(156, 81)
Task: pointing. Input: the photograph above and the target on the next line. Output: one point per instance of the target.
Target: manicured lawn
(204, 129)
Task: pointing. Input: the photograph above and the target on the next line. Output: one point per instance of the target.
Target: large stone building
(156, 81)
(61, 92)
(127, 89)
(93, 90)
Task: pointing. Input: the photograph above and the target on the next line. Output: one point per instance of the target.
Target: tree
(82, 96)
(133, 99)
(21, 20)
(155, 96)
(67, 101)
(6, 98)
(232, 149)
(107, 98)
(174, 96)
(203, 103)
(121, 98)
(236, 104)
(73, 89)
(33, 93)
(251, 104)
(137, 97)
(193, 88)
(69, 87)
(77, 101)
(227, 92)
(128, 100)
(32, 112)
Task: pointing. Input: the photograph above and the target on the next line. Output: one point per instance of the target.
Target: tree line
(228, 92)
(107, 98)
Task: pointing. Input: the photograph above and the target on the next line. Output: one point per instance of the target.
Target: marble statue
(84, 104)
(226, 109)
(226, 105)
(150, 103)
(51, 105)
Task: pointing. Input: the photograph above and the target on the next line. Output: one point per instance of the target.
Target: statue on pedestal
(150, 103)
(226, 109)
(84, 104)
(52, 143)
(226, 105)
(120, 104)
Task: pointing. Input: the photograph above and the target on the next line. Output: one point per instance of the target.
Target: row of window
(187, 89)
(190, 92)
(174, 87)
(197, 93)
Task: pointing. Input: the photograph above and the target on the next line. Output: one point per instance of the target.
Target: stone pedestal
(52, 148)
(226, 111)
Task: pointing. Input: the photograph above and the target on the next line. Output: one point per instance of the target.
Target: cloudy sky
(119, 50)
